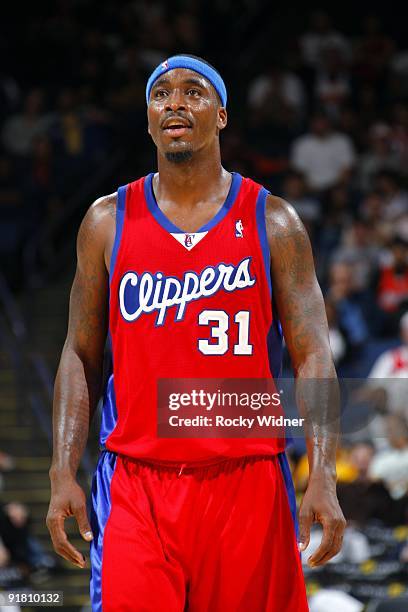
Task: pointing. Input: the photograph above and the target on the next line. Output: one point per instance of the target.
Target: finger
(329, 527)
(61, 543)
(83, 523)
(305, 523)
(71, 554)
(335, 548)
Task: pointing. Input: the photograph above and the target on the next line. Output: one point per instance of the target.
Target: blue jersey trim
(109, 414)
(275, 336)
(171, 227)
(263, 239)
(109, 411)
(274, 342)
(100, 511)
(120, 217)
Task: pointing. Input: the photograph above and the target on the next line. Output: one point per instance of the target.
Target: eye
(160, 93)
(193, 92)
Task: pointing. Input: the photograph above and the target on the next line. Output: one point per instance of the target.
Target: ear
(222, 118)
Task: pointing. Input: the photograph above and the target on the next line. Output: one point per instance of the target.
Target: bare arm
(302, 313)
(78, 381)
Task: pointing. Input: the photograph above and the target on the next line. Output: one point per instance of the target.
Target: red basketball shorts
(220, 538)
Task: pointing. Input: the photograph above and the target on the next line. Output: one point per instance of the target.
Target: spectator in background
(374, 500)
(6, 464)
(319, 37)
(399, 134)
(379, 156)
(21, 547)
(391, 465)
(341, 293)
(17, 544)
(392, 286)
(19, 130)
(68, 134)
(80, 136)
(395, 198)
(371, 211)
(276, 95)
(332, 87)
(336, 338)
(399, 75)
(41, 184)
(359, 249)
(324, 156)
(390, 372)
(308, 207)
(336, 215)
(9, 93)
(4, 555)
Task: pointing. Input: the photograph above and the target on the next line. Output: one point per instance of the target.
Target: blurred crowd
(21, 553)
(320, 118)
(318, 113)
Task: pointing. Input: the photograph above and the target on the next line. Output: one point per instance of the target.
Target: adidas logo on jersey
(147, 292)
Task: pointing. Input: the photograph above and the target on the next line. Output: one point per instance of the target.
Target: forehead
(181, 76)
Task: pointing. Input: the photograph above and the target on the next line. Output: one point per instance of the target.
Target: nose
(175, 101)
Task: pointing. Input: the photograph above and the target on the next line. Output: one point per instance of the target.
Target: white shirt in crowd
(390, 372)
(323, 160)
(391, 466)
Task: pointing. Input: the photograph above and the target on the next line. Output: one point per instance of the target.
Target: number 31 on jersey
(218, 342)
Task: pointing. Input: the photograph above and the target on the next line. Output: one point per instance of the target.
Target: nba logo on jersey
(239, 229)
(188, 240)
(165, 65)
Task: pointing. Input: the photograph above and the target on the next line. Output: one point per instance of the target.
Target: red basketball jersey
(187, 305)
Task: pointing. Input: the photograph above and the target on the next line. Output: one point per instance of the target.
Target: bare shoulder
(282, 220)
(102, 208)
(98, 224)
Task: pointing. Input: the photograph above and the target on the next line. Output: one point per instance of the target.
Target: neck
(191, 181)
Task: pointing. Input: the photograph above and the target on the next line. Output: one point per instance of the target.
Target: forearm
(317, 396)
(76, 394)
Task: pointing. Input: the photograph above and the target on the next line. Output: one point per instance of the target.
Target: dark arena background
(318, 114)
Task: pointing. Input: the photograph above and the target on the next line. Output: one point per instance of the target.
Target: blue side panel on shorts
(290, 489)
(100, 510)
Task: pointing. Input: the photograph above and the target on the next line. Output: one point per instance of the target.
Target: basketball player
(193, 271)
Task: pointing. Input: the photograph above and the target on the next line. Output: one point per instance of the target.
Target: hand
(67, 499)
(320, 505)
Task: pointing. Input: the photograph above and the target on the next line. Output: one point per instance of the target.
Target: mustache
(177, 115)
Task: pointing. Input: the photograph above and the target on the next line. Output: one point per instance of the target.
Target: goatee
(179, 157)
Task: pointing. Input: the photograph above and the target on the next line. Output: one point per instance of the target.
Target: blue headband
(191, 63)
